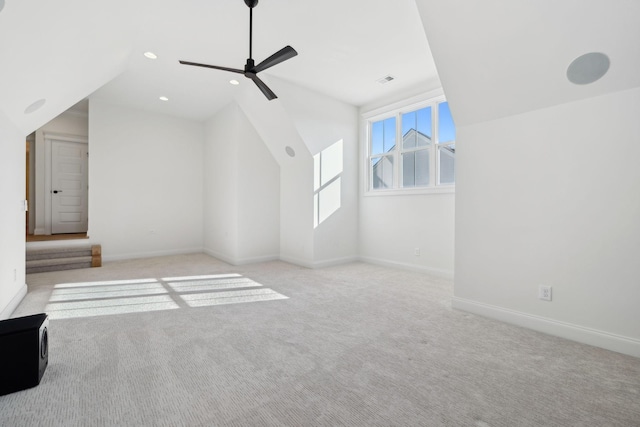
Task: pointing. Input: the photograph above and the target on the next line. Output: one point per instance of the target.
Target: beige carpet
(191, 341)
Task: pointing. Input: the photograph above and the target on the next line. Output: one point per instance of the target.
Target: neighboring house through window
(424, 157)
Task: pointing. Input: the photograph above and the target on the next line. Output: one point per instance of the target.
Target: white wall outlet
(544, 293)
(416, 251)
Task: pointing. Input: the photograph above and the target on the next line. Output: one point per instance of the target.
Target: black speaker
(24, 352)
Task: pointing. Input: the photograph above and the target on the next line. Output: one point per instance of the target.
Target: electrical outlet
(544, 293)
(416, 251)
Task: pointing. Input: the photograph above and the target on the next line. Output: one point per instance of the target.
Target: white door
(69, 208)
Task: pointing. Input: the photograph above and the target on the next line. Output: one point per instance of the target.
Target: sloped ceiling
(65, 50)
(497, 58)
(59, 51)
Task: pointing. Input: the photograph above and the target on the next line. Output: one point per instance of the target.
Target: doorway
(57, 178)
(69, 208)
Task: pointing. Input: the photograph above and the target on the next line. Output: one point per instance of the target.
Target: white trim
(441, 189)
(48, 138)
(334, 261)
(296, 261)
(445, 274)
(407, 104)
(431, 100)
(66, 137)
(319, 264)
(606, 340)
(136, 255)
(240, 261)
(13, 304)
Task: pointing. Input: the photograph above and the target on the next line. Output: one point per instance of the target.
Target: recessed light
(588, 68)
(164, 98)
(234, 82)
(149, 55)
(35, 106)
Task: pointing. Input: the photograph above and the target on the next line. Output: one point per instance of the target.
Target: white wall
(220, 185)
(276, 128)
(67, 123)
(241, 191)
(393, 226)
(552, 197)
(145, 182)
(12, 217)
(258, 196)
(322, 121)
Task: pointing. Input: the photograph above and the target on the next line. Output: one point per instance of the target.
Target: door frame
(48, 158)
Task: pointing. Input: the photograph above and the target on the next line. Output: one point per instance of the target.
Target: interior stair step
(63, 258)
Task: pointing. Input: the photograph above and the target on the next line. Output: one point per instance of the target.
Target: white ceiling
(499, 58)
(65, 50)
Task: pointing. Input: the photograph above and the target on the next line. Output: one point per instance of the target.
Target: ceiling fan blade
(282, 55)
(195, 64)
(262, 86)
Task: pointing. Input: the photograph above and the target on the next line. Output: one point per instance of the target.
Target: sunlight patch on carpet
(232, 297)
(100, 298)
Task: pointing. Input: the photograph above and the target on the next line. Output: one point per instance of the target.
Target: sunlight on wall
(86, 299)
(327, 168)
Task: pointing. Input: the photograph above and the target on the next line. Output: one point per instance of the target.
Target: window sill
(442, 189)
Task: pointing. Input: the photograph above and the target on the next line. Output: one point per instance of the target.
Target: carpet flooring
(191, 341)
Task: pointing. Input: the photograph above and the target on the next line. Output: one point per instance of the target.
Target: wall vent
(385, 79)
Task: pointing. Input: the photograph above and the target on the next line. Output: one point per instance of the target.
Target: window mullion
(397, 167)
(433, 158)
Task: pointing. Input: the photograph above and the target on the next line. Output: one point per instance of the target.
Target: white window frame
(431, 99)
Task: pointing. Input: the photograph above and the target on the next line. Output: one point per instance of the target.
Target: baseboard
(240, 261)
(136, 255)
(445, 274)
(38, 231)
(334, 261)
(606, 340)
(296, 261)
(13, 304)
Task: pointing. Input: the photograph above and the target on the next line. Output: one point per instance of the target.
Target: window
(412, 148)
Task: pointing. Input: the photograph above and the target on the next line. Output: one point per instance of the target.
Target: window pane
(446, 128)
(409, 169)
(416, 128)
(382, 172)
(424, 127)
(422, 168)
(389, 134)
(377, 136)
(415, 168)
(409, 130)
(447, 164)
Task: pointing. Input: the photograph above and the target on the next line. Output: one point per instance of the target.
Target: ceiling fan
(250, 69)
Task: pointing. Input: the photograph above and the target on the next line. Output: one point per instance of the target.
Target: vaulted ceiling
(498, 58)
(494, 58)
(66, 50)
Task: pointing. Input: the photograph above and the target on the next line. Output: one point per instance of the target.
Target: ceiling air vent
(385, 79)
